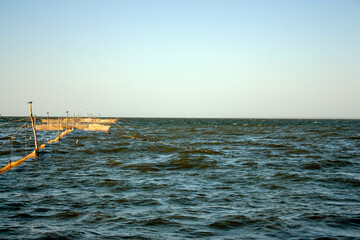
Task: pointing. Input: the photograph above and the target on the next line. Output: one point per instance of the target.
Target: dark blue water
(185, 179)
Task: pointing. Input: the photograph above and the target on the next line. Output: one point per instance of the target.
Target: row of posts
(34, 129)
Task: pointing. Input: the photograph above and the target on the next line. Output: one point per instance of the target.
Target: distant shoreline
(215, 118)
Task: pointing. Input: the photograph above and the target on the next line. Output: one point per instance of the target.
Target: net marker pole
(34, 130)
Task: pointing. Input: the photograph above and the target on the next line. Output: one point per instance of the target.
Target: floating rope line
(122, 129)
(87, 127)
(11, 164)
(19, 120)
(11, 151)
(14, 133)
(163, 143)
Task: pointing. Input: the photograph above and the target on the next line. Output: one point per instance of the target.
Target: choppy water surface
(272, 179)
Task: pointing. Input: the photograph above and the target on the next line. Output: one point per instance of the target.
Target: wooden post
(34, 130)
(47, 118)
(59, 130)
(67, 119)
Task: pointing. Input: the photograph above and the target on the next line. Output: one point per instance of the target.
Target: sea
(163, 178)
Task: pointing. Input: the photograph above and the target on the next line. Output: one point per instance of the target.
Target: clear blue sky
(181, 58)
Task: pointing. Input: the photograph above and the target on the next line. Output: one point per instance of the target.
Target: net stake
(34, 130)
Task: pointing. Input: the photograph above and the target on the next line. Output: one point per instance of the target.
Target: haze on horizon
(155, 58)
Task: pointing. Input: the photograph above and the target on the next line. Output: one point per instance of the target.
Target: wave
(312, 166)
(290, 176)
(184, 163)
(67, 214)
(276, 179)
(112, 150)
(336, 163)
(350, 181)
(141, 167)
(281, 146)
(234, 221)
(345, 220)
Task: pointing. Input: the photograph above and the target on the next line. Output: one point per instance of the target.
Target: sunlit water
(263, 179)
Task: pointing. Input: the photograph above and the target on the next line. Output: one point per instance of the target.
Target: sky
(181, 58)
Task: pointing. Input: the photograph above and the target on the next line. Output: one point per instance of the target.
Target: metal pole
(34, 130)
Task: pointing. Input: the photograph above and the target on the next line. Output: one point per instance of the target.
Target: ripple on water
(274, 179)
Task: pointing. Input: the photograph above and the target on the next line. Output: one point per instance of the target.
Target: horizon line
(261, 118)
